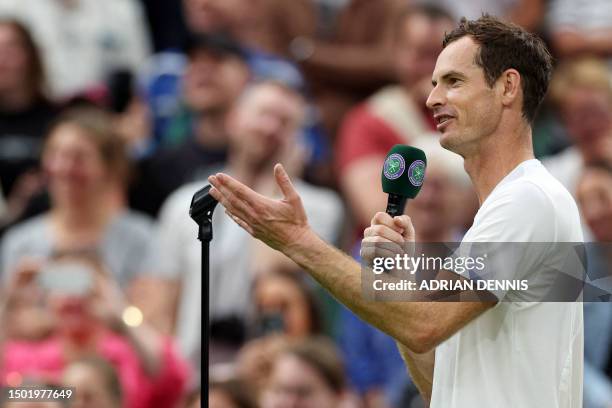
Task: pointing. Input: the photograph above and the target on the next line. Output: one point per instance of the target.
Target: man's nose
(436, 98)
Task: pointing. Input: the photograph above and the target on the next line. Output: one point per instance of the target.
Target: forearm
(407, 322)
(421, 369)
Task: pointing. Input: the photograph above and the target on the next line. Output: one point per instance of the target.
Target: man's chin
(448, 140)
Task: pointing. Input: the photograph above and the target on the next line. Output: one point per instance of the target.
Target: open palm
(277, 223)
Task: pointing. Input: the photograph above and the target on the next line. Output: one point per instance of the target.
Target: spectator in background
(96, 383)
(261, 25)
(529, 14)
(25, 115)
(309, 373)
(356, 61)
(582, 91)
(262, 129)
(263, 28)
(284, 303)
(394, 115)
(87, 169)
(581, 27)
(214, 78)
(594, 196)
(90, 316)
(229, 394)
(83, 41)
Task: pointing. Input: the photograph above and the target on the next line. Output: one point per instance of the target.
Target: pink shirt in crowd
(45, 360)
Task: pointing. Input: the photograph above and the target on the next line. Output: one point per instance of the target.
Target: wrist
(300, 249)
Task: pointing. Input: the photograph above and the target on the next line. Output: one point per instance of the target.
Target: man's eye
(453, 81)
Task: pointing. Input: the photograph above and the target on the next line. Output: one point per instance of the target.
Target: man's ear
(510, 82)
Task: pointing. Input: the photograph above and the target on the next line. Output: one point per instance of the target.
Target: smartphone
(67, 278)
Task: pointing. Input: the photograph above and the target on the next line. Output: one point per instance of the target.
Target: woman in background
(90, 318)
(87, 169)
(25, 115)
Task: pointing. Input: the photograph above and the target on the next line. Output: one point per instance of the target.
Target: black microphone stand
(201, 210)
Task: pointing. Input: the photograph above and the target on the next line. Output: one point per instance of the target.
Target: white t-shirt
(521, 353)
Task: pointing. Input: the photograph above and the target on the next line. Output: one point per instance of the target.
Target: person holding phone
(90, 317)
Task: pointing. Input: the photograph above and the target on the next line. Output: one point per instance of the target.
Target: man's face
(418, 43)
(213, 81)
(595, 199)
(587, 114)
(465, 108)
(263, 125)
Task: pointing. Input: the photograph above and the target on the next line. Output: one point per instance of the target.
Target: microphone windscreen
(403, 172)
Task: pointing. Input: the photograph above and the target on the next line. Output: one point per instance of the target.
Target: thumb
(405, 223)
(284, 182)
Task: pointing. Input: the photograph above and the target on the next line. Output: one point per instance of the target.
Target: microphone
(202, 206)
(402, 176)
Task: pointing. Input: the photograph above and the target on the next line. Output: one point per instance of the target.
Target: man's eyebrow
(449, 74)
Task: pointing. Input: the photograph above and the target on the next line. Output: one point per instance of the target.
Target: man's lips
(442, 120)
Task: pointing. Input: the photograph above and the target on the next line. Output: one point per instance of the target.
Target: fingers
(241, 223)
(405, 223)
(382, 218)
(230, 198)
(231, 203)
(227, 184)
(387, 236)
(376, 247)
(284, 182)
(385, 232)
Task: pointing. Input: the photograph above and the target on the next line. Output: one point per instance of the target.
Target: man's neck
(257, 176)
(210, 131)
(496, 158)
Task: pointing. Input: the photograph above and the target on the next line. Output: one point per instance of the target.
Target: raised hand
(278, 223)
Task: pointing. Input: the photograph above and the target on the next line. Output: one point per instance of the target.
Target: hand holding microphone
(402, 176)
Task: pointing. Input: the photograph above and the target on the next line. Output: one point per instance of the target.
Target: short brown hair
(99, 128)
(503, 46)
(321, 354)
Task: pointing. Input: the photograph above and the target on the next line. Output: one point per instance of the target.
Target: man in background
(262, 128)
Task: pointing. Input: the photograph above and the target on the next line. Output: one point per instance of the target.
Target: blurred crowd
(113, 113)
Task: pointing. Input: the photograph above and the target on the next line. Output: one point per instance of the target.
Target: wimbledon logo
(394, 166)
(416, 172)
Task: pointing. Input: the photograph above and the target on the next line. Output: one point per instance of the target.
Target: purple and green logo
(416, 173)
(394, 166)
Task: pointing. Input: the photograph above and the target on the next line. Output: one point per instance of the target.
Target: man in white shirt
(513, 351)
(262, 129)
